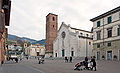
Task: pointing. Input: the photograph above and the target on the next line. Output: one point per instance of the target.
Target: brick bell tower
(51, 33)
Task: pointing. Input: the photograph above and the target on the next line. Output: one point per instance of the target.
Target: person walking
(66, 59)
(70, 59)
(86, 62)
(86, 58)
(94, 64)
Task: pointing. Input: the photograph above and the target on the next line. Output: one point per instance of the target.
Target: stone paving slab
(59, 66)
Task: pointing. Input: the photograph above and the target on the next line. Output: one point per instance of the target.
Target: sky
(28, 17)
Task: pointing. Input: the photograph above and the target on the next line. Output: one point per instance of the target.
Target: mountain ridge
(32, 41)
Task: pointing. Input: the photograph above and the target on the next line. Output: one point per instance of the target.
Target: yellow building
(35, 50)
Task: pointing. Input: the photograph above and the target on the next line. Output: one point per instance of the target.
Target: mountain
(14, 37)
(41, 42)
(28, 39)
(32, 41)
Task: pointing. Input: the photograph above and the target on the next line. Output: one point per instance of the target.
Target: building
(5, 6)
(72, 42)
(51, 33)
(35, 50)
(106, 32)
(10, 47)
(25, 43)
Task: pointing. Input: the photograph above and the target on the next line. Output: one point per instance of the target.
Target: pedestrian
(66, 59)
(2, 62)
(27, 57)
(86, 62)
(86, 58)
(94, 64)
(70, 59)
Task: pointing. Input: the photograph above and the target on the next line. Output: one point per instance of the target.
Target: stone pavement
(59, 66)
(56, 66)
(21, 67)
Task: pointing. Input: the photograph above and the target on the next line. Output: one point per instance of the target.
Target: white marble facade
(72, 42)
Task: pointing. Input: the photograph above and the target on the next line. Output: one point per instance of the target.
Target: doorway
(37, 53)
(109, 55)
(98, 55)
(63, 53)
(55, 54)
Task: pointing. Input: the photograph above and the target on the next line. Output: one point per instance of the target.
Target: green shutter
(109, 43)
(109, 19)
(118, 31)
(98, 23)
(98, 45)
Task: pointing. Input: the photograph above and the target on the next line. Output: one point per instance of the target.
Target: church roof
(80, 30)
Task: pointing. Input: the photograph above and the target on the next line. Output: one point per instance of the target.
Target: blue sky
(28, 17)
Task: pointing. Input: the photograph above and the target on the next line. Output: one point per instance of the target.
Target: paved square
(59, 66)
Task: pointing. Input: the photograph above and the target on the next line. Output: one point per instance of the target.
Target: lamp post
(86, 47)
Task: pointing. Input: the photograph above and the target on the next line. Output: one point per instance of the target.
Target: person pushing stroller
(79, 66)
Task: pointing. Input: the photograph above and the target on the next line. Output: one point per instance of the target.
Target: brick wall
(51, 31)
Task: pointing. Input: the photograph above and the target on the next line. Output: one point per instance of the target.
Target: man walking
(94, 64)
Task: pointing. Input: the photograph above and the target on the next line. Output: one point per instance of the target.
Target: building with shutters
(106, 32)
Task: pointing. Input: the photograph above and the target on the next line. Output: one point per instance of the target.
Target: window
(53, 19)
(98, 45)
(81, 34)
(98, 23)
(109, 32)
(119, 31)
(87, 35)
(63, 34)
(89, 43)
(109, 19)
(109, 43)
(92, 36)
(98, 35)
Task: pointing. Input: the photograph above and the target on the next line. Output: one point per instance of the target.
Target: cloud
(28, 17)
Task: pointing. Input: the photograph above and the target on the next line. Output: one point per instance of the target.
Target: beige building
(35, 50)
(106, 32)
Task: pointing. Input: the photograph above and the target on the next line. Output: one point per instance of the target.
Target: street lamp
(86, 46)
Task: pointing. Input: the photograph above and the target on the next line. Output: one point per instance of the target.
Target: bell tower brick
(51, 32)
